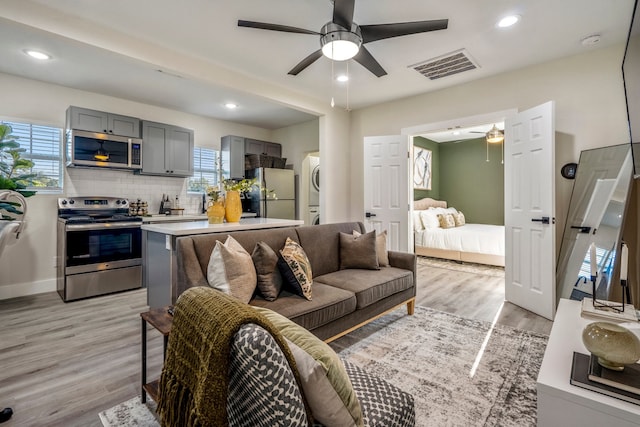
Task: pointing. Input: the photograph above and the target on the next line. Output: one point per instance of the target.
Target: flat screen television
(631, 76)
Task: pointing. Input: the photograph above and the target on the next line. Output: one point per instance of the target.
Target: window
(43, 146)
(205, 169)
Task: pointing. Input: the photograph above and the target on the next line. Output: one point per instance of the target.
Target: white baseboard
(29, 288)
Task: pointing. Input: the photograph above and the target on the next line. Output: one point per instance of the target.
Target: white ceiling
(102, 46)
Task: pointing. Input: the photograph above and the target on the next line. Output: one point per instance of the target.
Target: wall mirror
(595, 215)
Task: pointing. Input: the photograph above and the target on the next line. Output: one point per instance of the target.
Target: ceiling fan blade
(343, 13)
(306, 62)
(371, 33)
(365, 59)
(274, 27)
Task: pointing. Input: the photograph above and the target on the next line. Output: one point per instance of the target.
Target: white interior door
(530, 210)
(386, 188)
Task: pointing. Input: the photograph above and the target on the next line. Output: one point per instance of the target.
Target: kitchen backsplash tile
(97, 182)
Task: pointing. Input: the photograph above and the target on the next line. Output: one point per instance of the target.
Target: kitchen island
(159, 265)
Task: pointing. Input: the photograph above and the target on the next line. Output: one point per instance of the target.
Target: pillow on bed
(446, 220)
(459, 219)
(417, 222)
(429, 219)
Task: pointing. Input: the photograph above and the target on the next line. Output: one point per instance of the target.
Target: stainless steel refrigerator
(279, 201)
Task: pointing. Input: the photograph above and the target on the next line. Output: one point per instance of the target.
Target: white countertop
(203, 227)
(183, 218)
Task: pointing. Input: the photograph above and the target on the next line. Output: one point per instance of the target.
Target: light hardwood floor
(61, 364)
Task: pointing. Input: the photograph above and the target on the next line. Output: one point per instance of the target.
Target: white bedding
(477, 238)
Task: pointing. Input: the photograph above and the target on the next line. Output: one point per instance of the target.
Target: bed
(478, 243)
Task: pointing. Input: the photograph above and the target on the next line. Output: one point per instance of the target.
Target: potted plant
(215, 209)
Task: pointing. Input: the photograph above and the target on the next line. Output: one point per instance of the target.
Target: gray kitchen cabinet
(166, 150)
(102, 122)
(255, 146)
(232, 149)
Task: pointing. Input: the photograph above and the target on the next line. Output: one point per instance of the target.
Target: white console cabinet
(561, 404)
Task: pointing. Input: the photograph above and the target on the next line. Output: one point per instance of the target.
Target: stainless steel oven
(99, 247)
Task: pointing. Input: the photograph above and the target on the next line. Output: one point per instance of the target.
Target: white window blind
(205, 170)
(43, 146)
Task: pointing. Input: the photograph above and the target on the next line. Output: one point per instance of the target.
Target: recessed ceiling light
(508, 21)
(456, 132)
(342, 78)
(231, 105)
(37, 55)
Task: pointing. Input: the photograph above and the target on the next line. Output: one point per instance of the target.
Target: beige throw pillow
(231, 270)
(296, 268)
(459, 219)
(358, 251)
(446, 220)
(381, 248)
(325, 382)
(269, 278)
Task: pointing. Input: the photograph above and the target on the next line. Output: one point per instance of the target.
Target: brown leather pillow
(265, 260)
(358, 251)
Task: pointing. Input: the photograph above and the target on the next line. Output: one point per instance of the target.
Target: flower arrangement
(242, 186)
(213, 192)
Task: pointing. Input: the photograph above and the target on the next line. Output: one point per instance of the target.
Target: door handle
(582, 229)
(369, 214)
(544, 220)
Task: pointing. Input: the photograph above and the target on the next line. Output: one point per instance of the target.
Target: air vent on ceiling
(446, 65)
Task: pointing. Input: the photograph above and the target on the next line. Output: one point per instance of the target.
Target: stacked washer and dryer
(313, 216)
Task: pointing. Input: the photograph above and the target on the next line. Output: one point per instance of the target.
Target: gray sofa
(342, 300)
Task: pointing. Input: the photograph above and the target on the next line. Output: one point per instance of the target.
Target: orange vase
(233, 206)
(216, 212)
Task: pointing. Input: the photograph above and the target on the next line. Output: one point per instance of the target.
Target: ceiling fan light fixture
(339, 44)
(495, 135)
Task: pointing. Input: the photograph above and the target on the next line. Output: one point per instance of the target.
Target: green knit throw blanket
(195, 377)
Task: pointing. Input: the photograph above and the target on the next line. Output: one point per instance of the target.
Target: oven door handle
(102, 226)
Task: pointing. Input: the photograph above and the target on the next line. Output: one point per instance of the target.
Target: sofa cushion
(369, 286)
(325, 382)
(381, 248)
(322, 244)
(231, 270)
(269, 278)
(296, 268)
(329, 303)
(358, 251)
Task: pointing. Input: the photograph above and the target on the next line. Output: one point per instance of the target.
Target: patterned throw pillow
(231, 270)
(265, 260)
(296, 268)
(459, 219)
(325, 382)
(446, 220)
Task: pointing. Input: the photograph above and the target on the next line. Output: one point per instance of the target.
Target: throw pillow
(429, 219)
(296, 268)
(358, 251)
(265, 261)
(459, 219)
(381, 248)
(231, 270)
(325, 382)
(446, 220)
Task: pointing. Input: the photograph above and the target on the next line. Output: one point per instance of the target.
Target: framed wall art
(422, 170)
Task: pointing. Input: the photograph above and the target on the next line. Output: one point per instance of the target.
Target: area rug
(467, 267)
(435, 357)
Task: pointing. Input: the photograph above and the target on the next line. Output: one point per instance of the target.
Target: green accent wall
(434, 193)
(463, 177)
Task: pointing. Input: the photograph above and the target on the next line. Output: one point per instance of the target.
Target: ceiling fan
(342, 39)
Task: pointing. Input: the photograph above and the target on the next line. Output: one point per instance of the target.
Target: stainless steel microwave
(103, 150)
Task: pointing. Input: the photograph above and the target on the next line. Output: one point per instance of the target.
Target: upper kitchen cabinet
(166, 150)
(101, 122)
(232, 156)
(254, 146)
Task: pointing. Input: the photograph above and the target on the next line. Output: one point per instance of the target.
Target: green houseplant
(14, 172)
